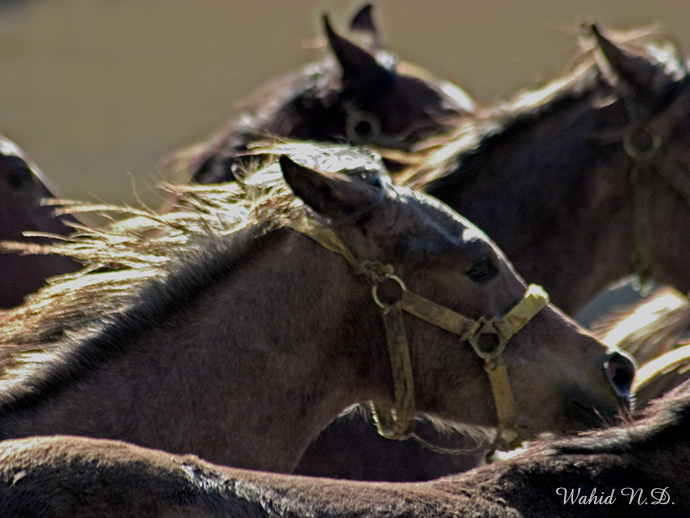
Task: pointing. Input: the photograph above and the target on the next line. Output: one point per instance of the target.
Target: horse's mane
(445, 161)
(138, 269)
(649, 327)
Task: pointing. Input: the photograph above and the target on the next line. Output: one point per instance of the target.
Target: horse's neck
(556, 198)
(245, 375)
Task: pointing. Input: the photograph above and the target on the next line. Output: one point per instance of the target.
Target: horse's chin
(579, 415)
(586, 416)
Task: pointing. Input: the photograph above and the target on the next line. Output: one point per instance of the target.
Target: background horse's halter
(646, 149)
(398, 423)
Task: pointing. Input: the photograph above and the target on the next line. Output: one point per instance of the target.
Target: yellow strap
(328, 239)
(323, 236)
(400, 424)
(643, 226)
(534, 300)
(440, 316)
(506, 435)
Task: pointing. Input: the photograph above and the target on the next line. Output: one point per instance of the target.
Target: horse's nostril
(620, 370)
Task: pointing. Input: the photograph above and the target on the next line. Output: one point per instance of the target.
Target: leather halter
(398, 423)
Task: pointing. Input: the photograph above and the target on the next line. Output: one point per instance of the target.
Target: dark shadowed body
(138, 346)
(351, 448)
(22, 189)
(636, 470)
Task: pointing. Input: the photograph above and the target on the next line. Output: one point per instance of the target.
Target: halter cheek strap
(645, 148)
(488, 338)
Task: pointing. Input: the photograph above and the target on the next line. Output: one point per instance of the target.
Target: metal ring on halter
(487, 327)
(353, 118)
(375, 290)
(648, 149)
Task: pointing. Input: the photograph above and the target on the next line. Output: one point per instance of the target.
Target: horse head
(455, 291)
(653, 83)
(22, 191)
(358, 94)
(23, 187)
(385, 102)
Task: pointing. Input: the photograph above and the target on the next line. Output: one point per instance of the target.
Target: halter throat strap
(487, 336)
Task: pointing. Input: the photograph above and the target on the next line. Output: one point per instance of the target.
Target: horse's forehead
(453, 238)
(443, 92)
(433, 219)
(417, 92)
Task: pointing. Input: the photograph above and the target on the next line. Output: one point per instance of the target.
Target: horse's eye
(482, 271)
(18, 178)
(361, 127)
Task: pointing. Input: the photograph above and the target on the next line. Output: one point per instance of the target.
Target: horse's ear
(334, 195)
(363, 23)
(360, 68)
(641, 79)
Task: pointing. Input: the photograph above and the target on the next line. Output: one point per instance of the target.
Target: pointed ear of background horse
(363, 23)
(361, 69)
(334, 196)
(643, 82)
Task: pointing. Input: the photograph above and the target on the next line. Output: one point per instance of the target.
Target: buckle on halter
(487, 350)
(394, 291)
(640, 143)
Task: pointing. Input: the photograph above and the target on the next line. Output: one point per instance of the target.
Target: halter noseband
(398, 423)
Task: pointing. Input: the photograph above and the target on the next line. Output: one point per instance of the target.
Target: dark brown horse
(22, 190)
(637, 470)
(593, 168)
(139, 346)
(360, 94)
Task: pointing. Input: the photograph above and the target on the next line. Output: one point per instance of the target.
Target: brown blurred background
(98, 91)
